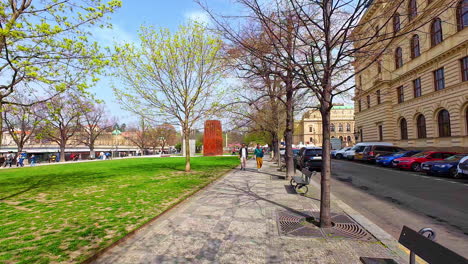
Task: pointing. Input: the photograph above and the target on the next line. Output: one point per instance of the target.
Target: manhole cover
(304, 224)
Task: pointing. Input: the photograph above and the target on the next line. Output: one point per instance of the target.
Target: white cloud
(198, 16)
(111, 36)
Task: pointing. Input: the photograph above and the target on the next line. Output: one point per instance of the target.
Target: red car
(414, 162)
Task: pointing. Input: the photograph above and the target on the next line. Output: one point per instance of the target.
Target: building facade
(416, 94)
(342, 126)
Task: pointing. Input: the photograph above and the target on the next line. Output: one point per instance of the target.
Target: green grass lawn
(66, 213)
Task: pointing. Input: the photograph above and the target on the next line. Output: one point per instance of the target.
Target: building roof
(343, 107)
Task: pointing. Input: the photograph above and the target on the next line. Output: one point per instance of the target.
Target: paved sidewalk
(234, 221)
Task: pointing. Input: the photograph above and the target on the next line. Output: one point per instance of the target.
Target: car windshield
(360, 148)
(399, 153)
(422, 154)
(456, 157)
(313, 152)
(295, 151)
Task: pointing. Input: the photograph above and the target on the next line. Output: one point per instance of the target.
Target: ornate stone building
(342, 126)
(416, 94)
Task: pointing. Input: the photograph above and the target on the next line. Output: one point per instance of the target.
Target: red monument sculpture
(213, 138)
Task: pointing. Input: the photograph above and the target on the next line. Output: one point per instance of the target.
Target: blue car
(388, 159)
(444, 167)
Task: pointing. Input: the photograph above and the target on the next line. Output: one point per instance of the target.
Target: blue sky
(126, 22)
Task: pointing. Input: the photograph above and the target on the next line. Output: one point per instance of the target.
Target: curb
(384, 237)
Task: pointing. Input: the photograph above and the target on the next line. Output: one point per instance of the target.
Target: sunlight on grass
(65, 213)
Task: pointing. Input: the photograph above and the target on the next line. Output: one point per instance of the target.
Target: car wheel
(454, 173)
(339, 156)
(416, 167)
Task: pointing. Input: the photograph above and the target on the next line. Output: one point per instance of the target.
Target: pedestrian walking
(8, 160)
(33, 160)
(243, 154)
(259, 157)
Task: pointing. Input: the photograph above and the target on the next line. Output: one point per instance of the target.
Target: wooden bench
(421, 244)
(299, 183)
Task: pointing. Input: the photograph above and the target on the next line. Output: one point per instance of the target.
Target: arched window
(348, 127)
(421, 125)
(398, 58)
(462, 14)
(340, 127)
(396, 23)
(415, 48)
(403, 129)
(443, 119)
(349, 138)
(341, 138)
(412, 9)
(332, 127)
(436, 32)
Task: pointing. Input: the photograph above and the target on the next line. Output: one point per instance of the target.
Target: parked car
(444, 167)
(310, 157)
(386, 160)
(414, 162)
(463, 167)
(373, 151)
(339, 154)
(359, 147)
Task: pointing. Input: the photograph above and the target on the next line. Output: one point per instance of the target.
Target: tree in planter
(61, 121)
(171, 76)
(331, 36)
(45, 47)
(22, 121)
(94, 123)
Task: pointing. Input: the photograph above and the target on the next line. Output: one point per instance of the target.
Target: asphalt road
(393, 198)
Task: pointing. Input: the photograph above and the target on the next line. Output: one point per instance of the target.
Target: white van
(359, 147)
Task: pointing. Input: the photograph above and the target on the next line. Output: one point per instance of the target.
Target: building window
(349, 139)
(421, 126)
(340, 127)
(361, 135)
(396, 23)
(436, 32)
(403, 129)
(415, 48)
(380, 133)
(439, 79)
(464, 69)
(377, 30)
(443, 119)
(466, 120)
(368, 101)
(412, 9)
(379, 66)
(400, 94)
(348, 127)
(332, 127)
(359, 105)
(360, 81)
(378, 96)
(310, 129)
(417, 87)
(462, 14)
(398, 58)
(311, 140)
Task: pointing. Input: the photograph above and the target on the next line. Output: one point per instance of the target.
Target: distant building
(416, 95)
(309, 129)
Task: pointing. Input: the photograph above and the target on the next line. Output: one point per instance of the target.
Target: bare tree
(318, 42)
(94, 123)
(61, 121)
(139, 135)
(22, 121)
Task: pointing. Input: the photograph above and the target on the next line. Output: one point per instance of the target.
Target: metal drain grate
(303, 224)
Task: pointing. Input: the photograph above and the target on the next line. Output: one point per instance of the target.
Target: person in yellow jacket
(258, 152)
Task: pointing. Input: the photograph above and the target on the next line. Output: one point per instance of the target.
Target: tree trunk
(187, 149)
(288, 135)
(325, 217)
(62, 153)
(92, 153)
(274, 143)
(1, 125)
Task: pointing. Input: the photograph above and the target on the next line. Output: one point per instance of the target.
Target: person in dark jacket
(243, 155)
